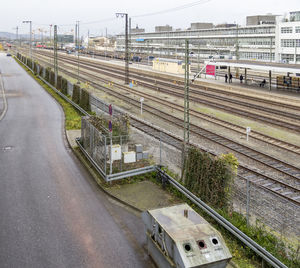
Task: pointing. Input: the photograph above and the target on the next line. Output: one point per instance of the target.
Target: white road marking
(4, 99)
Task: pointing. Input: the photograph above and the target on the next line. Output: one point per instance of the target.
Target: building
(263, 41)
(260, 19)
(288, 38)
(201, 25)
(166, 28)
(137, 30)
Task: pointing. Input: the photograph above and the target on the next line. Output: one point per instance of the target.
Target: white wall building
(262, 42)
(288, 38)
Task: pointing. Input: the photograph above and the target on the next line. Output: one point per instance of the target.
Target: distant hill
(7, 35)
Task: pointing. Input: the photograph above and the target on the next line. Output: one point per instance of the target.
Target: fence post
(105, 162)
(248, 201)
(110, 160)
(121, 153)
(160, 148)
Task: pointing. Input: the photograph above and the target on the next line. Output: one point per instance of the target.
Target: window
(290, 42)
(287, 57)
(297, 29)
(286, 29)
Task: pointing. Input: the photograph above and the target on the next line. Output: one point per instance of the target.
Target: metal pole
(160, 148)
(110, 160)
(50, 33)
(186, 133)
(78, 44)
(248, 200)
(30, 40)
(55, 52)
(126, 51)
(270, 80)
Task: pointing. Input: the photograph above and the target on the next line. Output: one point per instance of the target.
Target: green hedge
(209, 177)
(52, 78)
(47, 74)
(76, 94)
(64, 86)
(85, 100)
(59, 82)
(41, 72)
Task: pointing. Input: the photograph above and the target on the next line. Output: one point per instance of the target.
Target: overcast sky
(66, 12)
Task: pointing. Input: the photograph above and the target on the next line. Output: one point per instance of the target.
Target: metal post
(30, 33)
(55, 52)
(126, 47)
(248, 201)
(121, 153)
(270, 80)
(30, 45)
(78, 44)
(160, 148)
(126, 51)
(186, 133)
(105, 162)
(50, 34)
(110, 160)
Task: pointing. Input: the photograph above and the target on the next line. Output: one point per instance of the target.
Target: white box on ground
(129, 157)
(116, 152)
(139, 148)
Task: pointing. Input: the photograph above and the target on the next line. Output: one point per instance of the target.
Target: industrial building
(261, 39)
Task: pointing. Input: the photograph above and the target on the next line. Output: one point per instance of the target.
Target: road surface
(52, 214)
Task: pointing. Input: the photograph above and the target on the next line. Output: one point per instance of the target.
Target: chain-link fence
(261, 206)
(115, 155)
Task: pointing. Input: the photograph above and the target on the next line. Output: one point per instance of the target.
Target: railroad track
(254, 134)
(242, 112)
(288, 191)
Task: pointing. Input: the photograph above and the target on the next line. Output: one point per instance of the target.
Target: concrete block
(145, 155)
(139, 148)
(139, 156)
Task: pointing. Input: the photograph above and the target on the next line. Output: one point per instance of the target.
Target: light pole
(30, 42)
(126, 46)
(50, 34)
(17, 34)
(78, 44)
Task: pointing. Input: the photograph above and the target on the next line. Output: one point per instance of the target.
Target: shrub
(58, 82)
(210, 177)
(41, 72)
(52, 78)
(76, 94)
(64, 86)
(85, 100)
(47, 74)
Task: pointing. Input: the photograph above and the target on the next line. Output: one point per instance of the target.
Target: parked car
(8, 54)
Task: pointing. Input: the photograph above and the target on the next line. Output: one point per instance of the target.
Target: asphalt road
(52, 214)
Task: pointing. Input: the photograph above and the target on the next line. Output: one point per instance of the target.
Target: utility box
(129, 157)
(177, 236)
(116, 152)
(139, 148)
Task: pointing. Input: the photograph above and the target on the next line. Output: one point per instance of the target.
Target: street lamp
(30, 31)
(126, 46)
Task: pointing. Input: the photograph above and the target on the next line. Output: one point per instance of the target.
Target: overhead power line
(173, 9)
